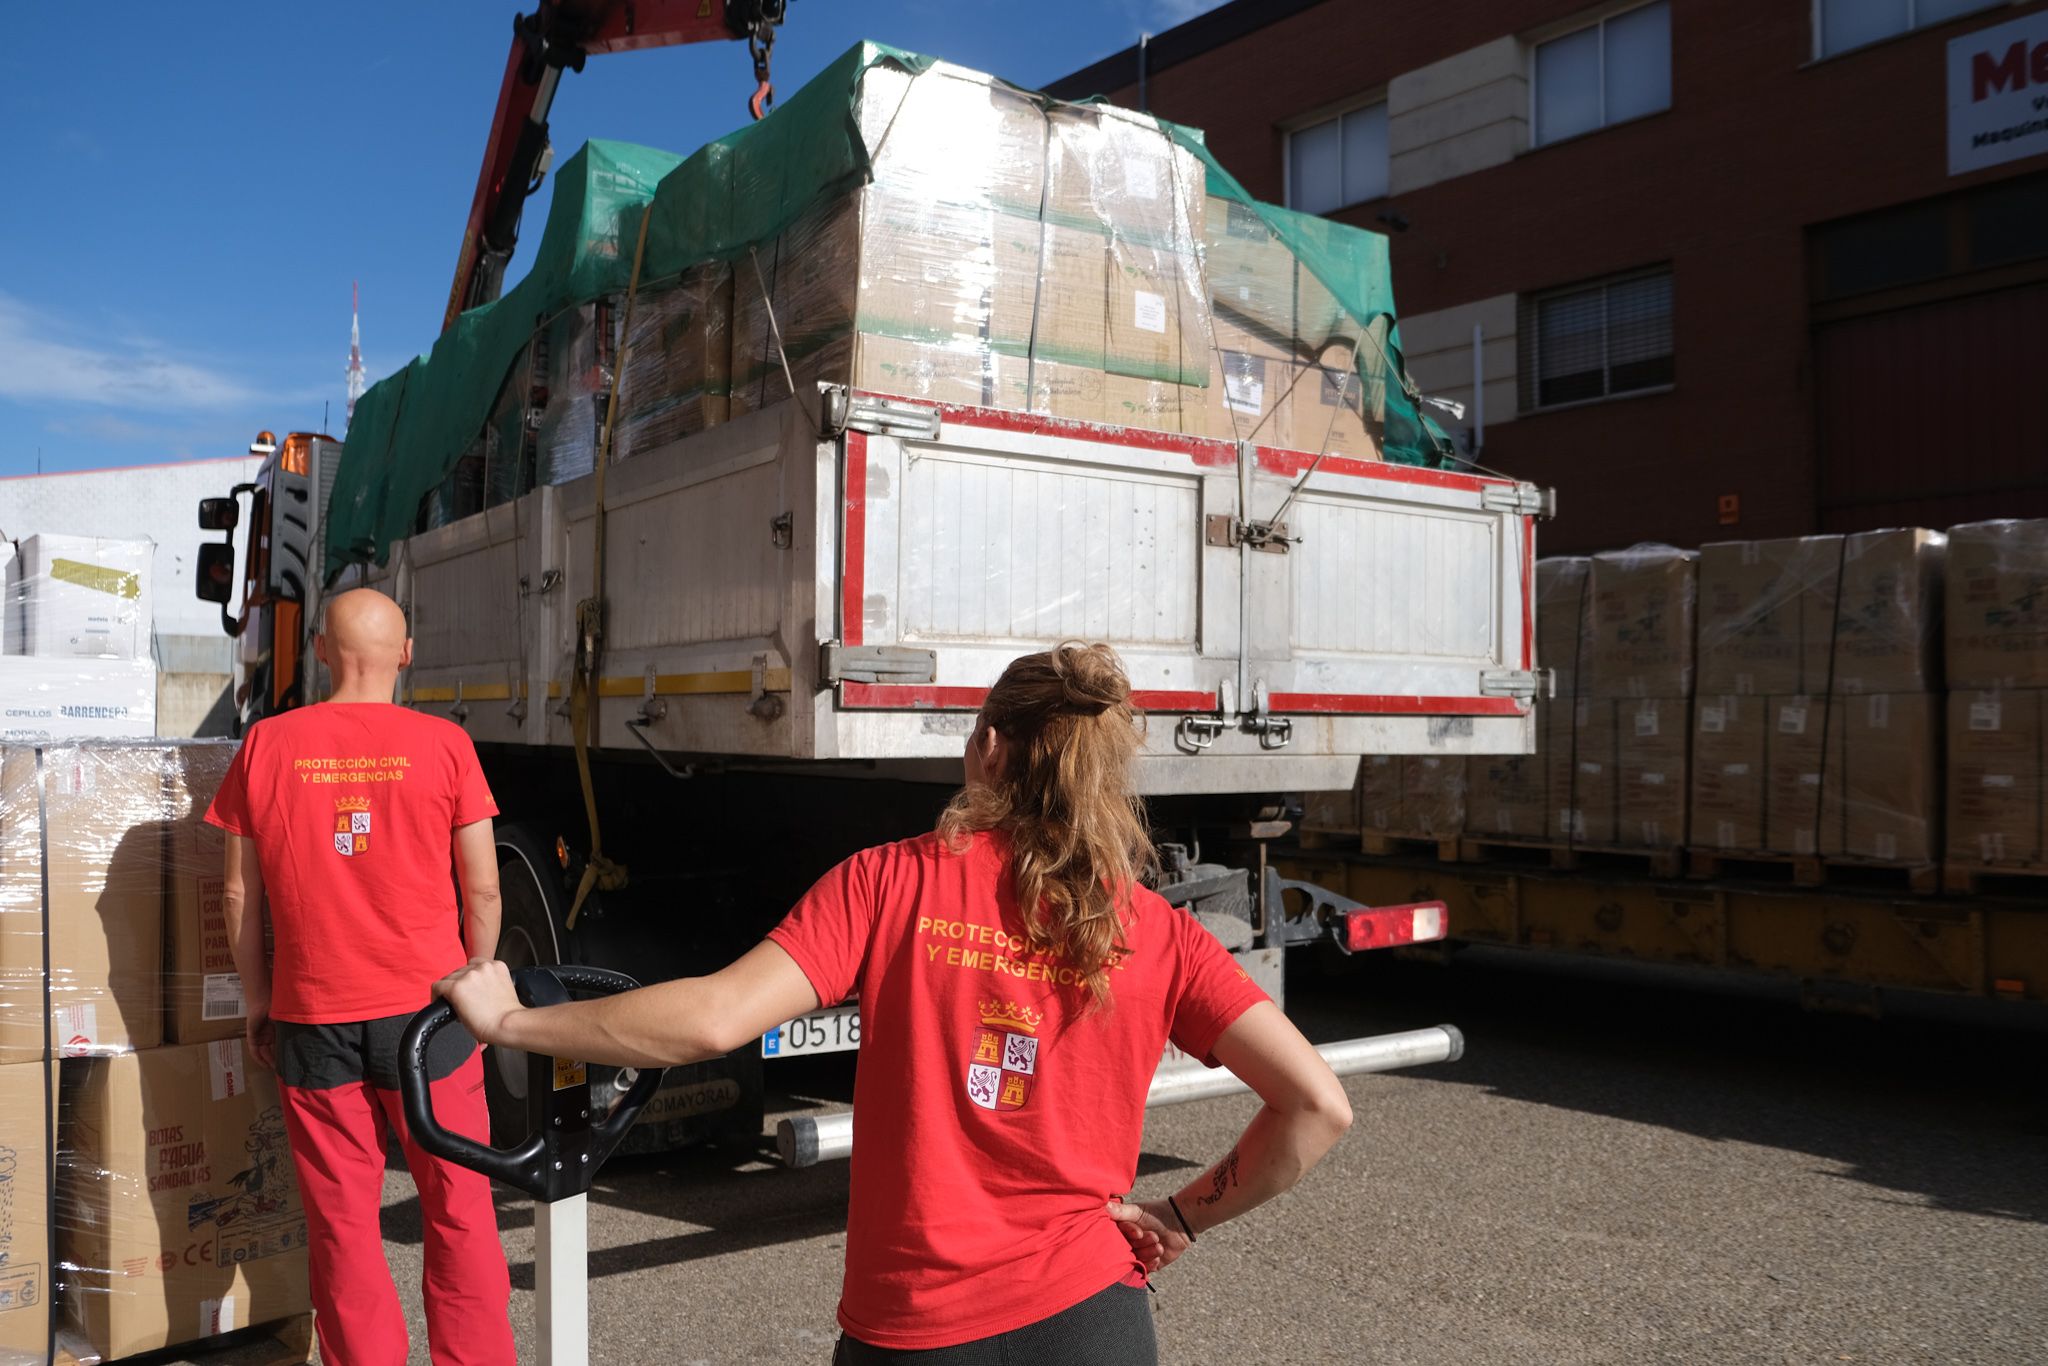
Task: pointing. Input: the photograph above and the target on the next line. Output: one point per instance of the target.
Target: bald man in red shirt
(350, 814)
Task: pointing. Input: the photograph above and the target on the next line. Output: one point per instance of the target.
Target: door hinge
(876, 664)
(1526, 499)
(1517, 682)
(880, 416)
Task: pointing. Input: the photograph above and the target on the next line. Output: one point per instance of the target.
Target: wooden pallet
(1995, 879)
(1382, 845)
(1315, 837)
(1570, 857)
(285, 1342)
(1814, 870)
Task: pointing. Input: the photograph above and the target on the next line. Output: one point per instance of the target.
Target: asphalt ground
(1621, 1169)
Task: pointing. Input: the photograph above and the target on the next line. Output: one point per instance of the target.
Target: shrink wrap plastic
(1997, 605)
(79, 597)
(176, 1214)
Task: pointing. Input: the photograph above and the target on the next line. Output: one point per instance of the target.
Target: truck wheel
(528, 936)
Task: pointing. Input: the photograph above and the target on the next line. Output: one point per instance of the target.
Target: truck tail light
(1384, 927)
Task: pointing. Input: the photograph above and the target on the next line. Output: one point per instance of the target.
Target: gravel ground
(1620, 1170)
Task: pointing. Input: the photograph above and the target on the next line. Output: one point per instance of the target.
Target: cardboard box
(1641, 623)
(1586, 802)
(44, 700)
(1414, 796)
(85, 597)
(1251, 272)
(1508, 795)
(1881, 796)
(1433, 795)
(953, 136)
(1794, 759)
(1888, 624)
(1561, 626)
(1380, 799)
(177, 1205)
(1728, 752)
(202, 991)
(1995, 777)
(1997, 605)
(1331, 812)
(1650, 781)
(27, 1265)
(101, 845)
(1767, 614)
(677, 375)
(1251, 375)
(1051, 292)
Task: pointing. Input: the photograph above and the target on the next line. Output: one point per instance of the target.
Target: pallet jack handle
(557, 1162)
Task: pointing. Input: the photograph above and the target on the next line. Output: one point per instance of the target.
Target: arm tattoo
(1221, 1178)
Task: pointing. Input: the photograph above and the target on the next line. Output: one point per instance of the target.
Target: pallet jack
(573, 1134)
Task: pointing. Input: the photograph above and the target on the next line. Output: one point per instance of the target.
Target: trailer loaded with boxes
(146, 1192)
(1867, 748)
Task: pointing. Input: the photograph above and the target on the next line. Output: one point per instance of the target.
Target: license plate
(822, 1031)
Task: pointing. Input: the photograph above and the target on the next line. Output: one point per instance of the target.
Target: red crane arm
(557, 36)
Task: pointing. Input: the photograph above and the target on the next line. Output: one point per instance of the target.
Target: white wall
(154, 502)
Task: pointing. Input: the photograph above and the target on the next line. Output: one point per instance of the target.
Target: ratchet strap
(599, 872)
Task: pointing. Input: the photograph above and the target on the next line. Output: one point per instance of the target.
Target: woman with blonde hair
(1017, 984)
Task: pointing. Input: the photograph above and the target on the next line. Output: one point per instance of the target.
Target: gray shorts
(320, 1057)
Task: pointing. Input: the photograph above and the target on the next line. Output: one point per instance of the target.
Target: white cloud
(42, 360)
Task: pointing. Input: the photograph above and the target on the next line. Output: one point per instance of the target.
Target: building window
(1840, 25)
(1339, 161)
(1596, 341)
(1991, 227)
(1606, 73)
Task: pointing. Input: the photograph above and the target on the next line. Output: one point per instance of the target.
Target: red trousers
(338, 1138)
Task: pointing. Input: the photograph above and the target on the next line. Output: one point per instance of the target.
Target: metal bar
(561, 1281)
(806, 1140)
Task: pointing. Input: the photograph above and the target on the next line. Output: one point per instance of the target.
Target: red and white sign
(1998, 94)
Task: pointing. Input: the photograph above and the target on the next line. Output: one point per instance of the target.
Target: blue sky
(190, 191)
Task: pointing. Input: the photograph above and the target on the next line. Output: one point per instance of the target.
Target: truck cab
(267, 580)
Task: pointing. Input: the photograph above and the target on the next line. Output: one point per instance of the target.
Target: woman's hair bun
(1091, 678)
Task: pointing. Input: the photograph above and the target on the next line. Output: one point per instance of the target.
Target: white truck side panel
(737, 560)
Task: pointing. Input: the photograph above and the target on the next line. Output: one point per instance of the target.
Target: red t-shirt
(996, 1113)
(353, 806)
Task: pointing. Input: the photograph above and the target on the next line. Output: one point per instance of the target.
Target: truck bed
(775, 592)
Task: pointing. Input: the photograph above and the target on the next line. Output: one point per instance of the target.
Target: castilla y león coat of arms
(1005, 1058)
(352, 826)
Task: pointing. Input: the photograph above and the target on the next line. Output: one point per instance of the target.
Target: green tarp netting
(410, 428)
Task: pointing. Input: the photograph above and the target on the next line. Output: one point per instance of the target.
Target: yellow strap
(119, 583)
(599, 871)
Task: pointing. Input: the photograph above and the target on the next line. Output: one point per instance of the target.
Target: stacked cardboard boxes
(1997, 659)
(177, 1212)
(1412, 796)
(202, 991)
(1628, 781)
(1530, 796)
(81, 880)
(28, 1094)
(1814, 732)
(77, 631)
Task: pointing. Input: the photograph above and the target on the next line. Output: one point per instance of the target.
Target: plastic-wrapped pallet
(574, 350)
(1640, 623)
(1526, 796)
(202, 990)
(1001, 256)
(76, 699)
(28, 1095)
(1767, 614)
(178, 1214)
(676, 377)
(82, 597)
(1997, 605)
(81, 879)
(1412, 796)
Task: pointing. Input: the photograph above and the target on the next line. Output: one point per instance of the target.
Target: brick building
(1736, 269)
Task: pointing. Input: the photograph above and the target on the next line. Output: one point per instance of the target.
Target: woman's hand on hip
(1155, 1239)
